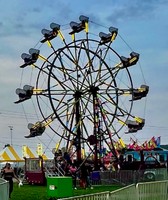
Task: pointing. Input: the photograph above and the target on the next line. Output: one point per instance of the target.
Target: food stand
(34, 171)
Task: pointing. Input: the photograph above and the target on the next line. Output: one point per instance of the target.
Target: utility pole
(11, 131)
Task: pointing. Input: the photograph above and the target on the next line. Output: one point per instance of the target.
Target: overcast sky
(142, 24)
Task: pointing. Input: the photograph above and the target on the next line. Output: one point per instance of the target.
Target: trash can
(95, 177)
(59, 186)
(4, 189)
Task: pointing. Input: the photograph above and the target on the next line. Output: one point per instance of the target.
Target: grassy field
(32, 192)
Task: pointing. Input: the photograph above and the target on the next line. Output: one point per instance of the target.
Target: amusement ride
(83, 86)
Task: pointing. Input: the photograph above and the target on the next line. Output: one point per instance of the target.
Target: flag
(145, 145)
(158, 140)
(134, 144)
(24, 151)
(152, 143)
(39, 149)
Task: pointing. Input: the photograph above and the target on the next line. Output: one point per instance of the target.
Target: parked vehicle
(147, 161)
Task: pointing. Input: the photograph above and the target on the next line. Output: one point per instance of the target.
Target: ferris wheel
(86, 86)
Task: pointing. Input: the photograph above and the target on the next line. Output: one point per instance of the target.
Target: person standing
(8, 174)
(85, 171)
(73, 173)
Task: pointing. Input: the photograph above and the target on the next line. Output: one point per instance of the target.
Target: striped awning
(9, 154)
(17, 154)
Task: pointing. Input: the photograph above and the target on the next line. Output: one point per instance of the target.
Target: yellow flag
(24, 151)
(39, 149)
(122, 143)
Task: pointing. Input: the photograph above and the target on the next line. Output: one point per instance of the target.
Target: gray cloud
(35, 16)
(131, 10)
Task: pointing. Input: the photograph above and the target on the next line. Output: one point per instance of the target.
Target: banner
(39, 150)
(24, 151)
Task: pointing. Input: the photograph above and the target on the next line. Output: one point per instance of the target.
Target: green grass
(33, 192)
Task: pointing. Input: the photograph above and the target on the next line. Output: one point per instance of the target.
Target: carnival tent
(17, 154)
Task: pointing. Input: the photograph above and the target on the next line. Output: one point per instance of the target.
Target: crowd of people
(78, 171)
(64, 166)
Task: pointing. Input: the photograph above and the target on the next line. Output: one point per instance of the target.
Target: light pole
(11, 129)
